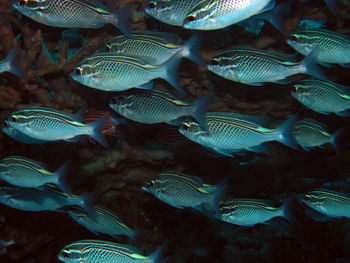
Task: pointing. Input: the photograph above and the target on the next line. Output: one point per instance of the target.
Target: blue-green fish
(229, 132)
(12, 63)
(180, 190)
(328, 46)
(4, 244)
(248, 212)
(310, 134)
(51, 125)
(48, 199)
(113, 72)
(104, 221)
(98, 251)
(19, 136)
(155, 47)
(254, 67)
(73, 13)
(157, 106)
(24, 172)
(212, 15)
(328, 202)
(172, 12)
(323, 96)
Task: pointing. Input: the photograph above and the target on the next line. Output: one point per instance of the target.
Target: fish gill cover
(250, 164)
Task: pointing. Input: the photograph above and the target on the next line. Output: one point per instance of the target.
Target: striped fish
(73, 13)
(310, 134)
(48, 199)
(328, 202)
(112, 72)
(231, 132)
(19, 136)
(12, 63)
(155, 47)
(157, 106)
(248, 212)
(323, 96)
(24, 172)
(52, 125)
(172, 12)
(254, 67)
(180, 190)
(328, 46)
(97, 251)
(105, 221)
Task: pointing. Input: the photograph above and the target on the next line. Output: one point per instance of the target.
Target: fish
(4, 244)
(329, 47)
(24, 172)
(97, 251)
(19, 136)
(172, 12)
(74, 13)
(254, 67)
(113, 72)
(230, 132)
(12, 63)
(323, 96)
(328, 202)
(155, 47)
(213, 15)
(310, 134)
(157, 106)
(49, 198)
(51, 125)
(249, 212)
(105, 221)
(180, 190)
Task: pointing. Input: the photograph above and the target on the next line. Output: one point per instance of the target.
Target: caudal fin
(156, 256)
(86, 201)
(61, 175)
(276, 16)
(288, 210)
(219, 193)
(96, 131)
(170, 71)
(286, 135)
(191, 50)
(121, 19)
(200, 107)
(334, 6)
(310, 65)
(335, 139)
(12, 63)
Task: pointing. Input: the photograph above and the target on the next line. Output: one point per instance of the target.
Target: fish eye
(150, 184)
(6, 124)
(152, 5)
(215, 62)
(79, 71)
(22, 2)
(185, 126)
(114, 101)
(108, 47)
(294, 38)
(295, 89)
(14, 119)
(191, 18)
(66, 254)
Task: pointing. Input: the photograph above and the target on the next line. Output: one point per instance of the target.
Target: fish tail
(285, 132)
(287, 209)
(310, 67)
(335, 139)
(219, 193)
(156, 256)
(12, 63)
(200, 107)
(334, 6)
(96, 131)
(121, 19)
(275, 17)
(87, 203)
(134, 235)
(61, 175)
(170, 73)
(191, 50)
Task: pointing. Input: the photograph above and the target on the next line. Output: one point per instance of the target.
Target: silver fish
(24, 172)
(156, 106)
(328, 202)
(155, 47)
(254, 67)
(328, 46)
(105, 221)
(112, 72)
(97, 251)
(48, 199)
(172, 12)
(212, 15)
(12, 63)
(180, 191)
(310, 134)
(248, 212)
(73, 13)
(52, 125)
(323, 96)
(228, 132)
